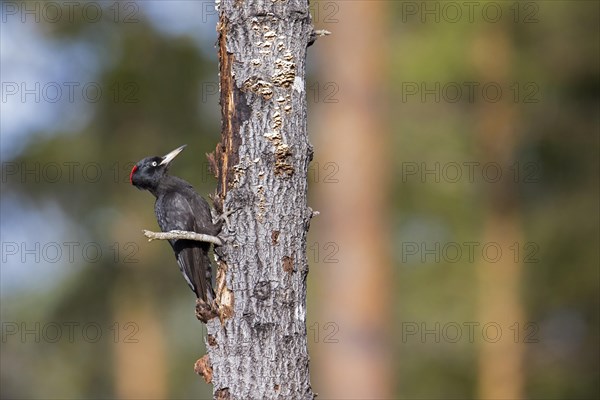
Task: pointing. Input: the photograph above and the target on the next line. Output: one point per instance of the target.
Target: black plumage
(179, 207)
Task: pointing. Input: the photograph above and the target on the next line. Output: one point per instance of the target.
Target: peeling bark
(257, 347)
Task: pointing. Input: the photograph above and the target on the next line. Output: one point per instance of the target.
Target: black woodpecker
(179, 207)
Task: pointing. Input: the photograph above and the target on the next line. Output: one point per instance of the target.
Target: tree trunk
(257, 348)
(357, 289)
(132, 359)
(501, 373)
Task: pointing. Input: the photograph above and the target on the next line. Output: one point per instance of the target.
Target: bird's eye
(154, 163)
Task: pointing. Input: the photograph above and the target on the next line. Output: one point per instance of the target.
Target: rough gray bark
(257, 348)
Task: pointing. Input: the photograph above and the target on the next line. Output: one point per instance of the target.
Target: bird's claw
(205, 311)
(224, 216)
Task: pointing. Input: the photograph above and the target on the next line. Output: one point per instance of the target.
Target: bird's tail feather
(195, 265)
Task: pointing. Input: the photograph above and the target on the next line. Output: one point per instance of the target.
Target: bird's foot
(205, 311)
(225, 216)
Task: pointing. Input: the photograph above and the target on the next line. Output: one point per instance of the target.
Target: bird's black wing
(203, 217)
(176, 211)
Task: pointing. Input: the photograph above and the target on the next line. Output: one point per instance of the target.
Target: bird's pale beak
(170, 156)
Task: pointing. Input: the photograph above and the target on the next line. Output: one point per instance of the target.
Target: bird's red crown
(135, 168)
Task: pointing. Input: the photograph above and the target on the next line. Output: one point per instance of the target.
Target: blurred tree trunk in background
(257, 347)
(140, 370)
(500, 363)
(355, 290)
